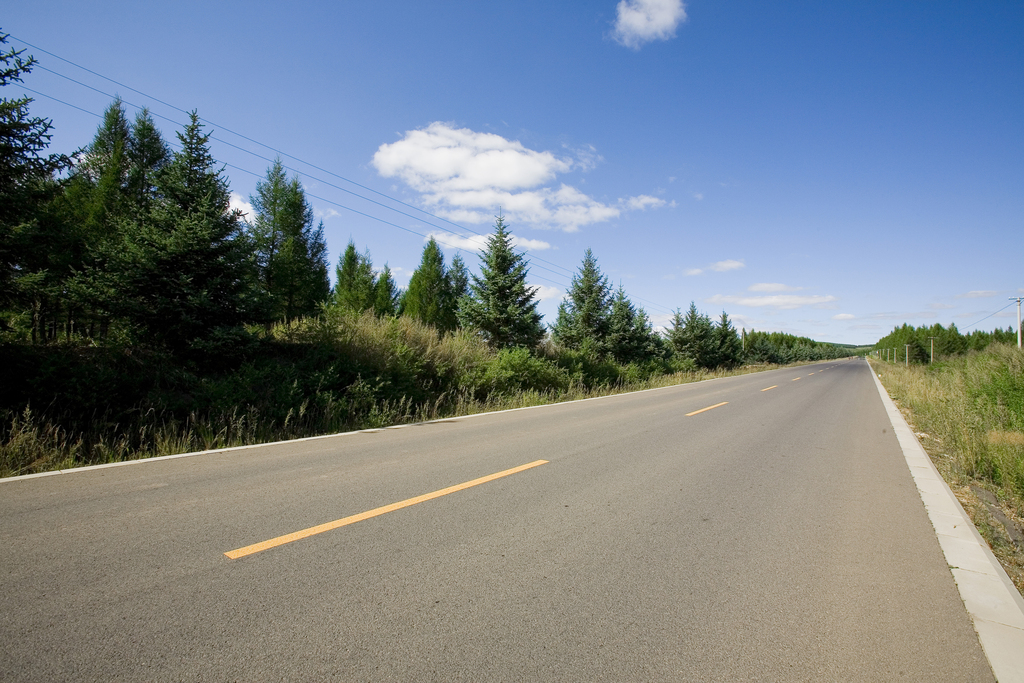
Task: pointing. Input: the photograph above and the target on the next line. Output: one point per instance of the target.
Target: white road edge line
(991, 599)
(140, 461)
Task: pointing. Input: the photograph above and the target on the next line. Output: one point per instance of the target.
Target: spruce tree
(692, 336)
(631, 338)
(386, 295)
(355, 286)
(290, 254)
(500, 303)
(427, 297)
(728, 346)
(583, 315)
(457, 288)
(185, 274)
(147, 155)
(28, 186)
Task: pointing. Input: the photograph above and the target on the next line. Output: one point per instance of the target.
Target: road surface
(762, 527)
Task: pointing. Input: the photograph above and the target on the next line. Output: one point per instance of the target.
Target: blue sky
(824, 169)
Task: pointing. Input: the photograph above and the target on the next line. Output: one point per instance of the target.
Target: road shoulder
(991, 599)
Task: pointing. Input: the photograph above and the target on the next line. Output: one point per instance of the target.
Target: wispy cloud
(724, 266)
(941, 307)
(977, 294)
(467, 176)
(718, 267)
(844, 316)
(925, 315)
(772, 287)
(325, 214)
(642, 21)
(644, 201)
(778, 301)
(479, 242)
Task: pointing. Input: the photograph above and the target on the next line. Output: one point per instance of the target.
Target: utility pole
(906, 356)
(931, 358)
(1018, 318)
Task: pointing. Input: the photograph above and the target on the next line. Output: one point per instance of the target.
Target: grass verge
(35, 444)
(968, 413)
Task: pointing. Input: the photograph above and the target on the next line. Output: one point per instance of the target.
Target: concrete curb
(991, 599)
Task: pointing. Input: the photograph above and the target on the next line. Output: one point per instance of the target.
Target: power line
(259, 156)
(988, 316)
(261, 144)
(534, 258)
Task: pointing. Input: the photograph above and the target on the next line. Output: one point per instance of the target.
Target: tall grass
(973, 407)
(339, 372)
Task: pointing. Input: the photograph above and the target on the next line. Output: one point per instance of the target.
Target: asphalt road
(776, 537)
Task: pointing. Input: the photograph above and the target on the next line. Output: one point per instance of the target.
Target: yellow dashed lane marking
(796, 379)
(717, 405)
(774, 386)
(329, 526)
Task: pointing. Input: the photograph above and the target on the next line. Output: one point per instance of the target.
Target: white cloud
(479, 242)
(237, 201)
(642, 21)
(698, 196)
(977, 294)
(941, 307)
(844, 316)
(467, 176)
(718, 267)
(772, 287)
(779, 301)
(546, 292)
(322, 214)
(643, 201)
(723, 266)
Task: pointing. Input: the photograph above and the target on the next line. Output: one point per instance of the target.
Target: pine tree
(106, 166)
(728, 347)
(28, 186)
(631, 337)
(290, 253)
(457, 286)
(500, 304)
(427, 297)
(692, 336)
(583, 315)
(355, 286)
(386, 294)
(185, 273)
(147, 155)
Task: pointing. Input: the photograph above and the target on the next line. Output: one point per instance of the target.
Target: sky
(830, 170)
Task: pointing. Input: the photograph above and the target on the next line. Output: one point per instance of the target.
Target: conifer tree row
(134, 241)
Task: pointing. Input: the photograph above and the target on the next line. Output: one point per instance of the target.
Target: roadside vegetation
(141, 316)
(968, 410)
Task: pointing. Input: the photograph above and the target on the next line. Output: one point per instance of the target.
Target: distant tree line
(918, 342)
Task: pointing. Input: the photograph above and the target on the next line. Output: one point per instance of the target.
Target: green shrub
(516, 370)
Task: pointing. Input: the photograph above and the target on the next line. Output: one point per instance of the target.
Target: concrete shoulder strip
(995, 606)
